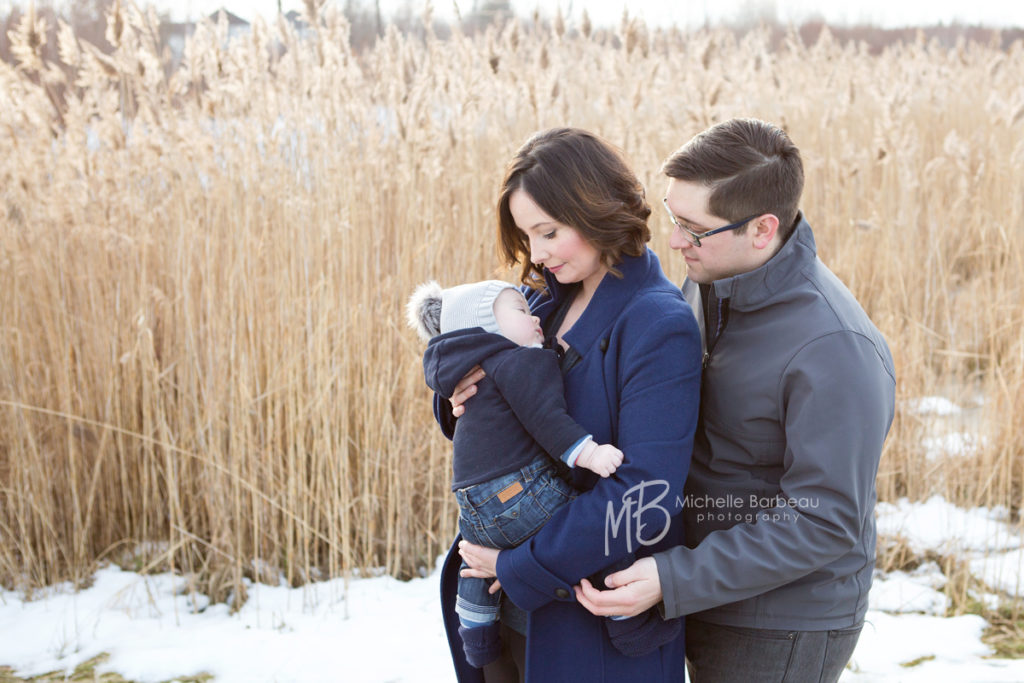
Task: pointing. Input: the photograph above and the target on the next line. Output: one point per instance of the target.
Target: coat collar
(750, 290)
(612, 295)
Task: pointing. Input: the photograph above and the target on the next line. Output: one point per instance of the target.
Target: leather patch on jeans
(505, 495)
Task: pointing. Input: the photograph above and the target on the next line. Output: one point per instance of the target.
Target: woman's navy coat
(636, 386)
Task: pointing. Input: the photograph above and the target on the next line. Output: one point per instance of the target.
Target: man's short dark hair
(751, 166)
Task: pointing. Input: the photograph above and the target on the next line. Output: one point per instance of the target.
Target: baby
(509, 443)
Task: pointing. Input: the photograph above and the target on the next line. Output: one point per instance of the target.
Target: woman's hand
(464, 389)
(483, 563)
(636, 588)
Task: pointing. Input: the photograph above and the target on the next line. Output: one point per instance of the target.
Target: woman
(574, 215)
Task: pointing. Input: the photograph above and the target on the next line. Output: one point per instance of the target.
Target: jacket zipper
(719, 315)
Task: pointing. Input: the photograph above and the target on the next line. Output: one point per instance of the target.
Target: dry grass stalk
(204, 273)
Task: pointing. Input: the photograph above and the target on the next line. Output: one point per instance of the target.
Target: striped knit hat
(432, 311)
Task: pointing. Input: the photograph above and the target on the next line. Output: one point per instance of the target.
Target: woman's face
(555, 246)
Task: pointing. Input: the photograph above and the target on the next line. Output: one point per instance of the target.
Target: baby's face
(514, 319)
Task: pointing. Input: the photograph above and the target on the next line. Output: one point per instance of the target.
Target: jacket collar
(750, 290)
(612, 295)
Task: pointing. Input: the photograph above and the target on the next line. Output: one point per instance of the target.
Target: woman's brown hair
(580, 181)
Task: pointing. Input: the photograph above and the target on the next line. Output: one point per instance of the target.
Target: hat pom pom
(423, 312)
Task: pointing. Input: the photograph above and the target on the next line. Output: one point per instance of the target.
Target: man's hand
(464, 389)
(635, 589)
(483, 563)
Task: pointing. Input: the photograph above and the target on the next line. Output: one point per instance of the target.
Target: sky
(887, 13)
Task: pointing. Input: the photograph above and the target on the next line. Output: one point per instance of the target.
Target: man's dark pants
(724, 654)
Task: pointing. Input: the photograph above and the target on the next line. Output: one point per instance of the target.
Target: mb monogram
(644, 498)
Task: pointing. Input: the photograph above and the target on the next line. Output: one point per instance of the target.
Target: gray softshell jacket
(797, 397)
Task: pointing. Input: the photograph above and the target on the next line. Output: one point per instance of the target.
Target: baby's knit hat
(432, 311)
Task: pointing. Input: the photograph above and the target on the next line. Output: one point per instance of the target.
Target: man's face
(718, 256)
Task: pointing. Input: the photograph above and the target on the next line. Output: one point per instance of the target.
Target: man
(797, 398)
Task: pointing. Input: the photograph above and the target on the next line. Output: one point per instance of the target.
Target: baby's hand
(603, 459)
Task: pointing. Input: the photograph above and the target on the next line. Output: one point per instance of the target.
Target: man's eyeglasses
(695, 238)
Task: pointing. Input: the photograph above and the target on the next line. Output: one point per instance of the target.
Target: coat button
(561, 593)
(603, 345)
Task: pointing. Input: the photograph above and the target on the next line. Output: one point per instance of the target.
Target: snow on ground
(938, 526)
(952, 444)
(993, 548)
(916, 647)
(378, 629)
(933, 405)
(1001, 571)
(914, 592)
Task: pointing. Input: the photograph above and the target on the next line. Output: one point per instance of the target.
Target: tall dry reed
(203, 363)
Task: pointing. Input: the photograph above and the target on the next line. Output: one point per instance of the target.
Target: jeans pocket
(734, 653)
(521, 519)
(526, 514)
(554, 494)
(758, 633)
(838, 650)
(845, 632)
(471, 528)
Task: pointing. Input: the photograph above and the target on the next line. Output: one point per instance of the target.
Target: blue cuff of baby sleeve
(573, 452)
